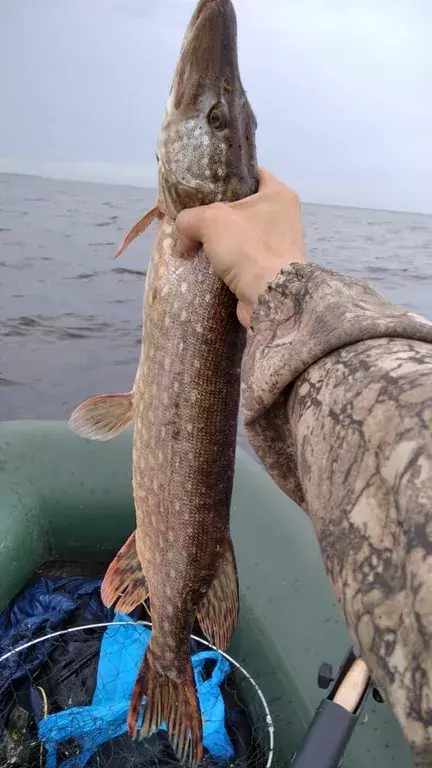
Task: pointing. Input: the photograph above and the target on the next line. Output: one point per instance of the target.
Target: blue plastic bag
(122, 649)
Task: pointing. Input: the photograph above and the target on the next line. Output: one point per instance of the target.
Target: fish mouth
(201, 9)
(202, 5)
(208, 59)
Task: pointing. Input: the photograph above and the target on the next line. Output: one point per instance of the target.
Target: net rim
(249, 678)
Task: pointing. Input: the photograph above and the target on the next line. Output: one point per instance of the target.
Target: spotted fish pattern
(185, 399)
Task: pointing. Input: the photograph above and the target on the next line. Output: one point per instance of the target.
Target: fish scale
(185, 400)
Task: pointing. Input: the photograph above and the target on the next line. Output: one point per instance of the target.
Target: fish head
(206, 149)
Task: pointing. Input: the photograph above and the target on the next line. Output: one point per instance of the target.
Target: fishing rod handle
(334, 721)
(327, 737)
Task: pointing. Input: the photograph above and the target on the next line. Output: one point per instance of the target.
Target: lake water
(70, 316)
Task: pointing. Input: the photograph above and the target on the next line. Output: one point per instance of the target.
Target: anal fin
(218, 610)
(172, 702)
(124, 583)
(103, 417)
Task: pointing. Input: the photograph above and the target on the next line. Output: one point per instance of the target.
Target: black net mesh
(64, 701)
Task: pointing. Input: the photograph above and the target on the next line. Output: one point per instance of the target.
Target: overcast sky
(342, 90)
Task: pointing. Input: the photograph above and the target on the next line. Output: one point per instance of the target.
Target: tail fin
(124, 580)
(170, 702)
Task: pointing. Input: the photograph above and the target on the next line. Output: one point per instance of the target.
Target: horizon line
(136, 183)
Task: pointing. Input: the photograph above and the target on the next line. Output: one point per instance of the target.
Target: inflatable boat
(66, 504)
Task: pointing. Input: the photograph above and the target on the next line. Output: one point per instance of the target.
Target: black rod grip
(327, 737)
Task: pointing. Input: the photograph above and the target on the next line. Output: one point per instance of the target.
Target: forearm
(337, 395)
(365, 463)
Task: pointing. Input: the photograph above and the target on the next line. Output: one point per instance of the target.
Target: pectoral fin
(218, 611)
(103, 417)
(125, 584)
(138, 228)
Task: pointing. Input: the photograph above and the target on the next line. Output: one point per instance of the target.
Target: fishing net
(64, 700)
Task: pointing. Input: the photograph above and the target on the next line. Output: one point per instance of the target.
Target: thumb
(189, 224)
(266, 179)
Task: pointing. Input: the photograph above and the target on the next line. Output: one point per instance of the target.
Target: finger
(266, 179)
(198, 225)
(185, 247)
(189, 227)
(244, 314)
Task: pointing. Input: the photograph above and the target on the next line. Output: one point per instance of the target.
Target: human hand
(247, 242)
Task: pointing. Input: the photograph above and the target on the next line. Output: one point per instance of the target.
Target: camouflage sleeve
(337, 400)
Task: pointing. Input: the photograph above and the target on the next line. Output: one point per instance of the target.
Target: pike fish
(185, 399)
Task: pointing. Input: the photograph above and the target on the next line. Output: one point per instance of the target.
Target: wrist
(257, 284)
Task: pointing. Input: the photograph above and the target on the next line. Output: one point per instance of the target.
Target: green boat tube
(68, 501)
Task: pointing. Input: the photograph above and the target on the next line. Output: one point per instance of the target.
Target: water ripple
(73, 324)
(62, 327)
(125, 271)
(9, 383)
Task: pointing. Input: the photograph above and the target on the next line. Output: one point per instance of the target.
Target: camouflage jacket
(337, 400)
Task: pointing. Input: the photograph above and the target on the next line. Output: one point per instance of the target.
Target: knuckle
(216, 209)
(288, 195)
(213, 213)
(293, 196)
(183, 221)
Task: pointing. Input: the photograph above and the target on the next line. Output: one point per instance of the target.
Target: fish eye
(218, 117)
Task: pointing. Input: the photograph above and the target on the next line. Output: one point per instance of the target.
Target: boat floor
(59, 568)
